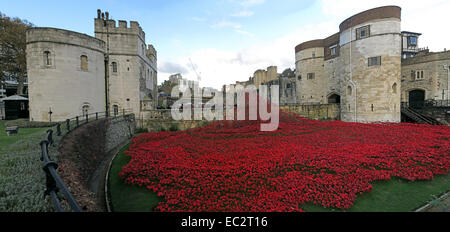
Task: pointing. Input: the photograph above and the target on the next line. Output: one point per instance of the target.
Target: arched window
(47, 58)
(114, 67)
(349, 90)
(85, 110)
(394, 88)
(84, 62)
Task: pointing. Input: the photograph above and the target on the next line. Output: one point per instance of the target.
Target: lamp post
(50, 113)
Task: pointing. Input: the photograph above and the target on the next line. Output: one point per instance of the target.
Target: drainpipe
(351, 73)
(107, 70)
(447, 67)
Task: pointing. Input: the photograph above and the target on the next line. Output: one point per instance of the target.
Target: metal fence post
(96, 116)
(68, 124)
(87, 118)
(58, 129)
(76, 118)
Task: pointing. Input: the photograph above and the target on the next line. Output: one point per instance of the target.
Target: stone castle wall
(316, 112)
(262, 76)
(162, 119)
(85, 154)
(367, 93)
(121, 72)
(60, 85)
(435, 80)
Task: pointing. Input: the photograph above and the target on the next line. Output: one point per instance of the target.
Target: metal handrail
(427, 104)
(54, 181)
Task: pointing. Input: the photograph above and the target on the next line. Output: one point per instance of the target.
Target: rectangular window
(310, 76)
(84, 63)
(313, 54)
(47, 58)
(333, 50)
(374, 61)
(419, 75)
(114, 67)
(363, 32)
(412, 41)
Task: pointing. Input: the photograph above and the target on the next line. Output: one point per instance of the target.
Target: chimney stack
(99, 13)
(103, 15)
(107, 15)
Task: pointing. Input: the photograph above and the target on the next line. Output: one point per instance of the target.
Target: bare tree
(12, 50)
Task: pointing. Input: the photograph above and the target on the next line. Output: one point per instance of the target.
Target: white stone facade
(121, 72)
(360, 65)
(57, 83)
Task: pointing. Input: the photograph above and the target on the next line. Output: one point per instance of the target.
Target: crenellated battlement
(104, 24)
(151, 53)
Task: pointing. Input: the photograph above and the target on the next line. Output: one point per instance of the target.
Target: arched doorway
(416, 98)
(334, 98)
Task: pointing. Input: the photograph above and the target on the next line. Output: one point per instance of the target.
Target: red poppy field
(232, 166)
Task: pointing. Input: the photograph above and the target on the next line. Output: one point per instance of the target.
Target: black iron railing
(426, 104)
(437, 103)
(54, 183)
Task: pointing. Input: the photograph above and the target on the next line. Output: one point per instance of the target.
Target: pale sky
(227, 40)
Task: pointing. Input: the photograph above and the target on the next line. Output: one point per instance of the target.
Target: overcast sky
(227, 40)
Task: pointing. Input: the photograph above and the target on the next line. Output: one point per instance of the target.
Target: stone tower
(370, 65)
(358, 67)
(309, 66)
(131, 65)
(72, 74)
(66, 74)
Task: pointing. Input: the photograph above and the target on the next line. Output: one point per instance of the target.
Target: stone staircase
(418, 117)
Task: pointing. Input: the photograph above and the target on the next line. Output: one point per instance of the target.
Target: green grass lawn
(395, 195)
(127, 198)
(22, 181)
(23, 133)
